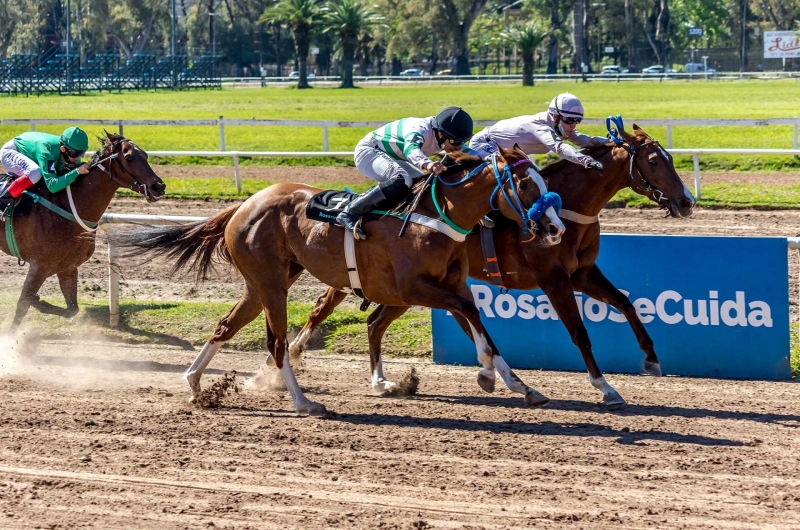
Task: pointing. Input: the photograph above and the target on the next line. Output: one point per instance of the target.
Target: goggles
(571, 121)
(72, 153)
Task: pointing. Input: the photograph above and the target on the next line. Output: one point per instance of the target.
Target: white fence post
(236, 171)
(221, 134)
(33, 125)
(696, 161)
(121, 128)
(669, 136)
(795, 145)
(326, 145)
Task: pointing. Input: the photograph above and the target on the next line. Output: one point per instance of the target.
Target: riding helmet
(454, 123)
(567, 105)
(75, 139)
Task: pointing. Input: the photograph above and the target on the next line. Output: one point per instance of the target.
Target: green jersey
(45, 150)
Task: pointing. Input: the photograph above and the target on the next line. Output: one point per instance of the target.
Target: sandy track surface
(100, 436)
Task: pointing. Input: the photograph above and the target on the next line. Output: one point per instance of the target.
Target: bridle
(137, 186)
(644, 187)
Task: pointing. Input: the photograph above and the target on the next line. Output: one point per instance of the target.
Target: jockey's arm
(584, 140)
(53, 182)
(554, 143)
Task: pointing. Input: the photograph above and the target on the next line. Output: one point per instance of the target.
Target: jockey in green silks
(32, 156)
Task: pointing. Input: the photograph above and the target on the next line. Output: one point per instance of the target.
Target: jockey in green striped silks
(397, 153)
(32, 156)
(541, 133)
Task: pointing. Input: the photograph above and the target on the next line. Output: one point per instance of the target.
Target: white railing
(121, 218)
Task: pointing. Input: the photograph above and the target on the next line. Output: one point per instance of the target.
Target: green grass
(192, 323)
(675, 99)
(794, 356)
(730, 196)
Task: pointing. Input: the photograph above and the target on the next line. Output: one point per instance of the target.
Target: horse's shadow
(629, 409)
(99, 315)
(116, 365)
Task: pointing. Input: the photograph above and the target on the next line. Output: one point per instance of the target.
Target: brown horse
(270, 241)
(52, 244)
(640, 164)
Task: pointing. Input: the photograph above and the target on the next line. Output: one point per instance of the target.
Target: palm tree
(527, 38)
(349, 20)
(301, 16)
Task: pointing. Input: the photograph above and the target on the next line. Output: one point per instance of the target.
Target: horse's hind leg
(245, 311)
(33, 282)
(322, 310)
(377, 324)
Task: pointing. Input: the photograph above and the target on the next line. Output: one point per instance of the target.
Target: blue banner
(714, 307)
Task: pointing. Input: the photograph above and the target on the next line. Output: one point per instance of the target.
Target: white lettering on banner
(669, 307)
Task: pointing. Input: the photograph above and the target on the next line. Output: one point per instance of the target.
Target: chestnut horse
(641, 164)
(270, 241)
(53, 244)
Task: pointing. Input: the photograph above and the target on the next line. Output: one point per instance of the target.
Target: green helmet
(75, 139)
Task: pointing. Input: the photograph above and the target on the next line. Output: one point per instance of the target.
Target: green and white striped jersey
(410, 139)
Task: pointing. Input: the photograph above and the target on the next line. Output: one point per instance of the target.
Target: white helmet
(567, 105)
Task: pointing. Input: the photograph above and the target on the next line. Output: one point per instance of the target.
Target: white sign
(314, 51)
(609, 49)
(781, 44)
(695, 32)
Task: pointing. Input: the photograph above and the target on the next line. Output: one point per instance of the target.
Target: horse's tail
(194, 246)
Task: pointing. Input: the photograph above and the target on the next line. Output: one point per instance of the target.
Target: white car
(697, 68)
(657, 69)
(296, 75)
(613, 69)
(412, 72)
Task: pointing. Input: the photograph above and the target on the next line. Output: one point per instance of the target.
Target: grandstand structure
(34, 73)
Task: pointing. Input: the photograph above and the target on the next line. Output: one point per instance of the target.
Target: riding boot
(357, 207)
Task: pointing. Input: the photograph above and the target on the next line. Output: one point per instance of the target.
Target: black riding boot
(359, 206)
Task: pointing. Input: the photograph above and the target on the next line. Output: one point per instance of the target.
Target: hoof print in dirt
(213, 396)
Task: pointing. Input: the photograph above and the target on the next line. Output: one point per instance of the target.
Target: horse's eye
(652, 159)
(128, 158)
(523, 185)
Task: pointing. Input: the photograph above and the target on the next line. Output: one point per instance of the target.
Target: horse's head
(126, 164)
(652, 174)
(525, 199)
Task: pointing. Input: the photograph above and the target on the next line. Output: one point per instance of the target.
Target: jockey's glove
(593, 164)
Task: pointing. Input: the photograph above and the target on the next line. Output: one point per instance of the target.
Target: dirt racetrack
(99, 435)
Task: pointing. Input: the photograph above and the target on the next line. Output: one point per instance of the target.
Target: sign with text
(695, 32)
(714, 307)
(780, 44)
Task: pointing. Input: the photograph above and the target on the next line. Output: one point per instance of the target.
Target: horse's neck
(587, 191)
(91, 193)
(462, 203)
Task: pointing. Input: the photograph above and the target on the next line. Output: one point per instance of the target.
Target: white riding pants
(377, 165)
(18, 164)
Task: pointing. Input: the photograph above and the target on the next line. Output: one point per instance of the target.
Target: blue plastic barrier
(714, 306)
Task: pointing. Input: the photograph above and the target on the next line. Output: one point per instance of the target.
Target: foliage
(302, 16)
(349, 20)
(527, 37)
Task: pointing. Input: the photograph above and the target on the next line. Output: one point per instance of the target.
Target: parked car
(296, 75)
(446, 71)
(412, 72)
(697, 68)
(614, 69)
(657, 69)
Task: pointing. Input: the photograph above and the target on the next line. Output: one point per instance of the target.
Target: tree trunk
(301, 40)
(434, 52)
(461, 47)
(278, 68)
(527, 68)
(662, 31)
(552, 47)
(578, 44)
(629, 35)
(348, 54)
(397, 66)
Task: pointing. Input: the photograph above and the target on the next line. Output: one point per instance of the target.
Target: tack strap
(490, 258)
(75, 213)
(13, 249)
(429, 222)
(57, 209)
(350, 261)
(579, 218)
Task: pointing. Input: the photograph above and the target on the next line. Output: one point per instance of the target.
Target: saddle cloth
(326, 205)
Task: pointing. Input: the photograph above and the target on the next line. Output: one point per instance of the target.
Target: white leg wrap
(200, 363)
(484, 350)
(602, 385)
(511, 380)
(299, 343)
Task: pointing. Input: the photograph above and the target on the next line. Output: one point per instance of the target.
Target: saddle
(9, 206)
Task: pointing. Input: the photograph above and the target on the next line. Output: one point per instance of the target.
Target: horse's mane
(106, 142)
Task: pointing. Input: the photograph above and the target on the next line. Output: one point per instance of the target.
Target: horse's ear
(636, 127)
(109, 135)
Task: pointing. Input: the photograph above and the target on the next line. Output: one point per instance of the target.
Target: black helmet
(454, 123)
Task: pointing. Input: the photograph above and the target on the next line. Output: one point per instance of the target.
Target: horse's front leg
(593, 282)
(33, 282)
(68, 281)
(558, 289)
(322, 310)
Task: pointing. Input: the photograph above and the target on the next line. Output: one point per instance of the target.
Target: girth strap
(579, 218)
(57, 209)
(352, 266)
(13, 249)
(490, 257)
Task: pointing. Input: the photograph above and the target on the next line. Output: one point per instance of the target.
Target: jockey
(542, 133)
(33, 155)
(398, 152)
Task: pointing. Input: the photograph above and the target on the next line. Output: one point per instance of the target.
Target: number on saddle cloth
(326, 205)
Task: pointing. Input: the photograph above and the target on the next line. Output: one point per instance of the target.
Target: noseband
(644, 187)
(137, 187)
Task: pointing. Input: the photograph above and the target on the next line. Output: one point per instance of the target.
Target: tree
(349, 20)
(630, 36)
(302, 16)
(457, 17)
(527, 38)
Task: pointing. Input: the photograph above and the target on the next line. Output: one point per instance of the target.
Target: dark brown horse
(270, 241)
(640, 164)
(52, 244)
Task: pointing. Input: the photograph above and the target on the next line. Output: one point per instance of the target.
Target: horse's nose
(159, 187)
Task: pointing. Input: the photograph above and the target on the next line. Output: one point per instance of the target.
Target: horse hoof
(534, 398)
(486, 383)
(652, 368)
(313, 409)
(381, 388)
(613, 400)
